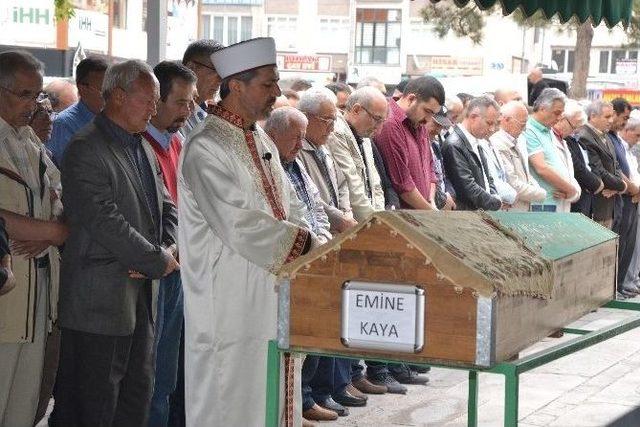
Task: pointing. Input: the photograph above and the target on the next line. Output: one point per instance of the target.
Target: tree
(63, 9)
(469, 21)
(582, 55)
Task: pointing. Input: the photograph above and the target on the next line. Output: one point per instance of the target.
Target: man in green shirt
(546, 165)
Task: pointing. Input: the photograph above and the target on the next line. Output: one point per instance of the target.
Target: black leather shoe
(421, 369)
(347, 399)
(406, 376)
(334, 406)
(388, 381)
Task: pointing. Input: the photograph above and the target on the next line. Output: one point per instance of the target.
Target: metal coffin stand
(466, 326)
(511, 370)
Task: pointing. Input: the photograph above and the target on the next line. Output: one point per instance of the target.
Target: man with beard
(404, 144)
(177, 84)
(240, 221)
(29, 205)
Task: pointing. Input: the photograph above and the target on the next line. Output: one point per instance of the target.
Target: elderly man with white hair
(590, 183)
(353, 151)
(561, 130)
(122, 237)
(511, 146)
(319, 106)
(546, 164)
(286, 126)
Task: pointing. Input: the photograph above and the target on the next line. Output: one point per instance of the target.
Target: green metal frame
(511, 369)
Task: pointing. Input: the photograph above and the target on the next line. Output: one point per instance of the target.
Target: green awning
(611, 11)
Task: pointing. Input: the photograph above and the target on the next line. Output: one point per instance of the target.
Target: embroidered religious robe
(240, 221)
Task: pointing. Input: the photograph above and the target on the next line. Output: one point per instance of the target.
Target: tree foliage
(63, 9)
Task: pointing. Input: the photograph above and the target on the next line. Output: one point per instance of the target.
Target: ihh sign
(383, 316)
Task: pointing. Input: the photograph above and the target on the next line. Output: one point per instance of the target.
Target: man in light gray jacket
(513, 152)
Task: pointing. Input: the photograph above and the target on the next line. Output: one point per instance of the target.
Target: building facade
(348, 40)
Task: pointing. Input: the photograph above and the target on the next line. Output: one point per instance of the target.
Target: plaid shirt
(294, 172)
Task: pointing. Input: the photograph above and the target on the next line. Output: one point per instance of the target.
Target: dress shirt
(65, 126)
(475, 146)
(407, 154)
(138, 159)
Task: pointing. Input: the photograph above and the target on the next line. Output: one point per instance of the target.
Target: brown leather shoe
(557, 334)
(366, 386)
(318, 413)
(355, 392)
(307, 423)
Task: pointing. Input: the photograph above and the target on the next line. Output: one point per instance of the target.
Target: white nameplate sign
(383, 316)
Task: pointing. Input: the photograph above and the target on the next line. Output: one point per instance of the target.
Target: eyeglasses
(377, 119)
(327, 121)
(26, 95)
(519, 122)
(204, 65)
(570, 124)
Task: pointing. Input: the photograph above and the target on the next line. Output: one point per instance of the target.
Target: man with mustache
(177, 84)
(240, 221)
(30, 208)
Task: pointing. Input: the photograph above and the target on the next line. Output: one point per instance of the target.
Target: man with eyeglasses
(319, 106)
(565, 127)
(30, 206)
(197, 57)
(465, 160)
(513, 151)
(353, 151)
(89, 76)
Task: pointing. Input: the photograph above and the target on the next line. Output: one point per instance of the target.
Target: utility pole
(156, 31)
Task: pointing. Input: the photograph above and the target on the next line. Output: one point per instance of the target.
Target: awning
(611, 11)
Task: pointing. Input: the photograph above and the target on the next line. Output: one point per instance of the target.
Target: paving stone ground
(593, 387)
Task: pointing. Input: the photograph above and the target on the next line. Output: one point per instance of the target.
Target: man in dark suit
(465, 162)
(538, 84)
(602, 160)
(625, 218)
(123, 227)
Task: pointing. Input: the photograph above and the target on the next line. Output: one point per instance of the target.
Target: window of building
(246, 23)
(378, 36)
(615, 55)
(232, 30)
(571, 60)
(604, 61)
(335, 34)
(564, 58)
(120, 14)
(227, 29)
(284, 29)
(558, 56)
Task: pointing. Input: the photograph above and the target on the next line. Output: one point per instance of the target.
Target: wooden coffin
(493, 283)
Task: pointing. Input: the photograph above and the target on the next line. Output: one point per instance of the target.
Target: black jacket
(589, 181)
(536, 90)
(603, 162)
(465, 171)
(391, 199)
